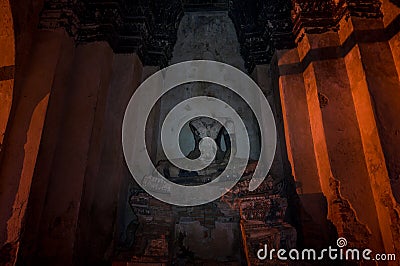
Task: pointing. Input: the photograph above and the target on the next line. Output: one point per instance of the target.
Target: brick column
(7, 66)
(87, 86)
(391, 23)
(25, 131)
(327, 79)
(106, 166)
(339, 74)
(375, 88)
(303, 142)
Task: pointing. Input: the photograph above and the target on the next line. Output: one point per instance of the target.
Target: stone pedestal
(262, 222)
(212, 232)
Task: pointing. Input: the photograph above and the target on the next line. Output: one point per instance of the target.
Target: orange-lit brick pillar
(24, 134)
(301, 148)
(389, 76)
(7, 61)
(391, 22)
(7, 69)
(87, 86)
(77, 177)
(375, 38)
(347, 149)
(374, 84)
(327, 80)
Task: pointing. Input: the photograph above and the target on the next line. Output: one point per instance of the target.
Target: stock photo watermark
(331, 253)
(153, 88)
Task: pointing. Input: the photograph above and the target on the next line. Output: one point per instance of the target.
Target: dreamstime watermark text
(331, 253)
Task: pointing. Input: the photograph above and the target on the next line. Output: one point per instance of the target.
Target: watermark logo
(341, 242)
(153, 88)
(330, 253)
